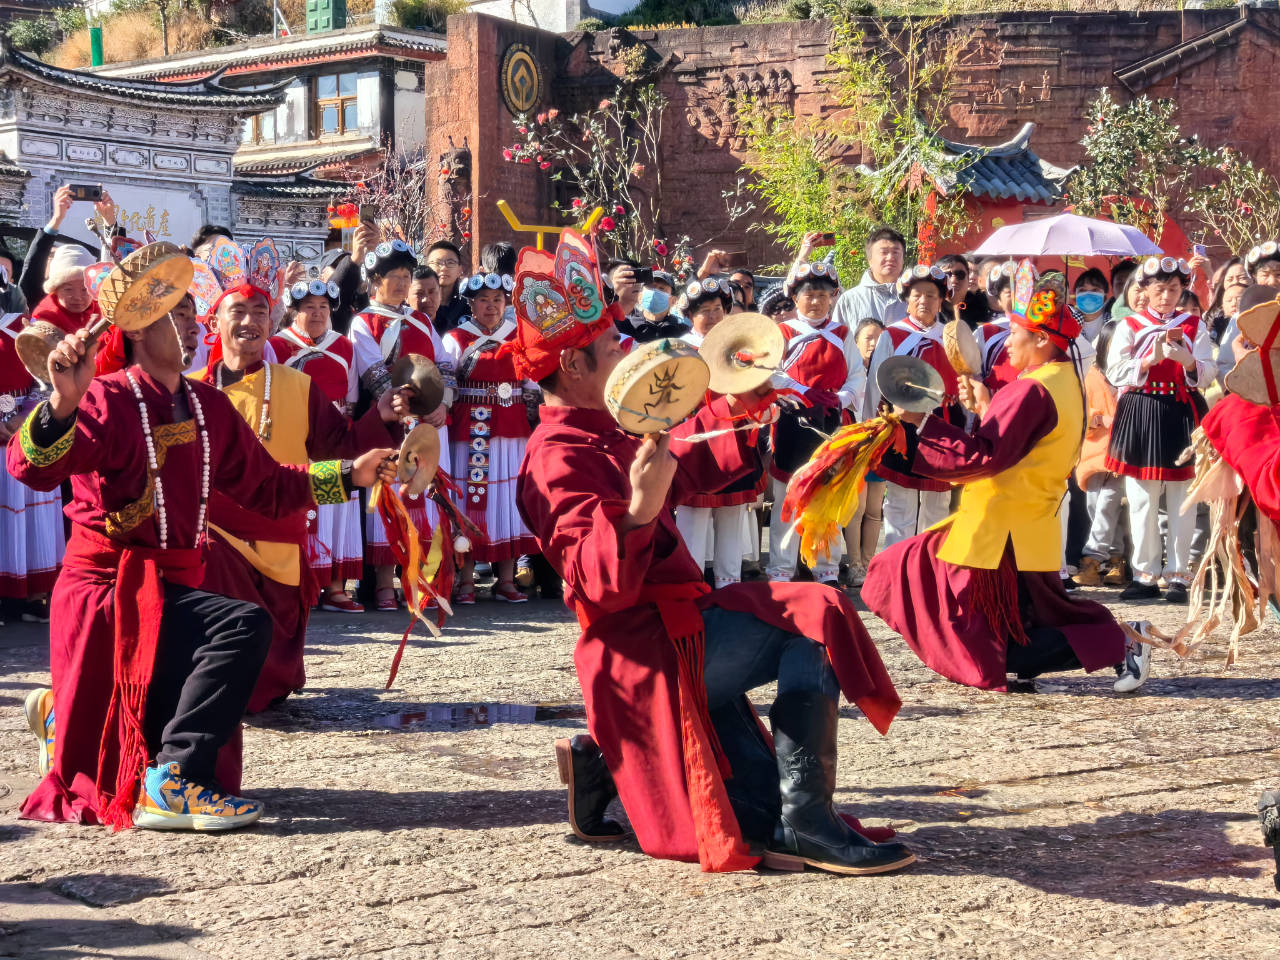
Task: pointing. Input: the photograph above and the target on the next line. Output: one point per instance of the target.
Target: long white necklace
(264, 421)
(153, 463)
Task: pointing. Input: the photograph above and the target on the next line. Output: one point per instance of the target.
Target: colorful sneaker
(39, 710)
(167, 801)
(1137, 660)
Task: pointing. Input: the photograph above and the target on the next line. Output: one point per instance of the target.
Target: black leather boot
(809, 830)
(591, 789)
(1269, 818)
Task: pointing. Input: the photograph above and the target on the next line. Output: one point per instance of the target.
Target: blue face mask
(1090, 301)
(654, 301)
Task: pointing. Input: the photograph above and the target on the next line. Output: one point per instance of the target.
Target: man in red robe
(162, 677)
(665, 664)
(255, 558)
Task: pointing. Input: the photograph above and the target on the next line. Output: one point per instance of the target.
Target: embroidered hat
(1164, 268)
(386, 257)
(1002, 273)
(558, 304)
(1041, 305)
(920, 273)
(314, 288)
(1268, 252)
(486, 281)
(820, 271)
(699, 292)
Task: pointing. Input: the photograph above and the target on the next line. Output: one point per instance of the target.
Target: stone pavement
(428, 821)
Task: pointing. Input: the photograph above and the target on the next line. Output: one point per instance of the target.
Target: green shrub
(426, 14)
(591, 25)
(35, 36)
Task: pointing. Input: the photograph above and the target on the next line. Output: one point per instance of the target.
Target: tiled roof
(205, 92)
(308, 157)
(1006, 171)
(1171, 61)
(289, 186)
(10, 169)
(277, 52)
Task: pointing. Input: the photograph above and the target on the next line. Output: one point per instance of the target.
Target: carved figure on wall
(1045, 87)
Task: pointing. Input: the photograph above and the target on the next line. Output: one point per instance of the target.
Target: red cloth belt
(720, 843)
(138, 604)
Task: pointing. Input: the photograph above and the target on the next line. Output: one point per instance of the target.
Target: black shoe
(809, 831)
(35, 611)
(1069, 585)
(1137, 590)
(1269, 819)
(1021, 685)
(591, 789)
(1177, 592)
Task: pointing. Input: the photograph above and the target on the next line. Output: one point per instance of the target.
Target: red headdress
(1041, 305)
(558, 304)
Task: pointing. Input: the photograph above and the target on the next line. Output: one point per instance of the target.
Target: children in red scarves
(914, 502)
(822, 365)
(380, 334)
(309, 343)
(489, 430)
(716, 525)
(1158, 359)
(31, 542)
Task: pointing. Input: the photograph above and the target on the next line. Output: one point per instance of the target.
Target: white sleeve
(353, 382)
(883, 351)
(365, 350)
(1202, 352)
(855, 385)
(1226, 356)
(849, 308)
(1123, 368)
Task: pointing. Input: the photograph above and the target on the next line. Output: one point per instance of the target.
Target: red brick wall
(1043, 67)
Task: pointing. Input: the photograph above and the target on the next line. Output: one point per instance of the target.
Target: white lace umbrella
(1067, 235)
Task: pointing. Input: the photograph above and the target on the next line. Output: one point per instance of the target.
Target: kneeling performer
(696, 772)
(978, 596)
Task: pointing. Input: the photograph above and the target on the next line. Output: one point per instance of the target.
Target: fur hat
(68, 261)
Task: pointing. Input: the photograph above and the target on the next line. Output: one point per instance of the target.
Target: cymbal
(415, 370)
(910, 384)
(419, 458)
(145, 286)
(742, 352)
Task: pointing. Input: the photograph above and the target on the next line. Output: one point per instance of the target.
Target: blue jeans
(743, 653)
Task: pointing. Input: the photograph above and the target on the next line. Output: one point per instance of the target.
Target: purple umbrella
(1067, 235)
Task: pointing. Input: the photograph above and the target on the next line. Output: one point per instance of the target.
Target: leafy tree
(35, 36)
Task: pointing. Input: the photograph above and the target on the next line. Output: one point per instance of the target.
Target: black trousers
(1048, 652)
(210, 653)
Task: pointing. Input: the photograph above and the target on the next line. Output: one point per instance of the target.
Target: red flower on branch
(544, 166)
(660, 248)
(607, 224)
(619, 210)
(466, 213)
(577, 202)
(507, 155)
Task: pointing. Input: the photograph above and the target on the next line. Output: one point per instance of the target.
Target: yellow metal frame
(504, 208)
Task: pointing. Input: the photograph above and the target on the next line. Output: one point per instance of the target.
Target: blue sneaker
(168, 801)
(39, 710)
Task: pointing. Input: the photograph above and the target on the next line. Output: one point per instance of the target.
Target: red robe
(573, 492)
(331, 436)
(107, 465)
(1247, 435)
(939, 607)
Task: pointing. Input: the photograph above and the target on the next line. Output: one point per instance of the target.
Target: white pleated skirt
(31, 539)
(492, 504)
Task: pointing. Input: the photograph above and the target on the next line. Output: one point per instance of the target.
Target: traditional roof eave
(11, 170)
(270, 53)
(290, 186)
(1003, 171)
(201, 94)
(308, 155)
(1171, 61)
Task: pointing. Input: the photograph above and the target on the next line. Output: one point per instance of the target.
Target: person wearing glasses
(445, 259)
(964, 301)
(1159, 358)
(488, 430)
(823, 373)
(380, 334)
(308, 342)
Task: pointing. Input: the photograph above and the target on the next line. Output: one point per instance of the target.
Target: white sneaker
(1137, 661)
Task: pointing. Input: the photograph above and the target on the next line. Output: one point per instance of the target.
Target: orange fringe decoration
(823, 495)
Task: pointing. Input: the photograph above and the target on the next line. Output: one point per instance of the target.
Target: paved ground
(1068, 823)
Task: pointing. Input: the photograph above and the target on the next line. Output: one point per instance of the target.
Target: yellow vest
(287, 443)
(1021, 504)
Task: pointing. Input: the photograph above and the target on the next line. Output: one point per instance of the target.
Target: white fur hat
(68, 260)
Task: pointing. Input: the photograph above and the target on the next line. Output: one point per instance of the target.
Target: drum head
(419, 458)
(415, 370)
(962, 348)
(1248, 379)
(742, 352)
(145, 286)
(657, 386)
(910, 384)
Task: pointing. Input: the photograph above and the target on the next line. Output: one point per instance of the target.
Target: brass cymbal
(416, 371)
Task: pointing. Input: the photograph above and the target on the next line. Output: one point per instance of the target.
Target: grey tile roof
(288, 186)
(10, 169)
(1005, 171)
(205, 92)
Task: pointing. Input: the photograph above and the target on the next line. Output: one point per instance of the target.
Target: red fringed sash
(139, 605)
(720, 843)
(995, 594)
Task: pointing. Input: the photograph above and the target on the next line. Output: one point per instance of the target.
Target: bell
(416, 371)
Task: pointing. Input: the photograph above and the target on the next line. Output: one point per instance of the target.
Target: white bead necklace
(153, 463)
(264, 421)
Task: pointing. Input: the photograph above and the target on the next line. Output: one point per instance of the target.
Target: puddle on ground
(481, 714)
